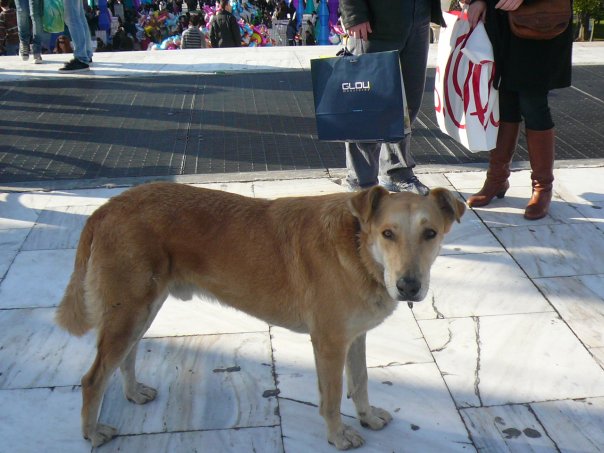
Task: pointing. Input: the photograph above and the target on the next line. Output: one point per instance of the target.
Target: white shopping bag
(466, 103)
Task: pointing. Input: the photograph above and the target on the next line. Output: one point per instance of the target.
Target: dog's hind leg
(118, 338)
(134, 391)
(356, 374)
(330, 354)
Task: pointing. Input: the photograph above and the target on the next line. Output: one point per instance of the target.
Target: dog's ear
(451, 206)
(364, 204)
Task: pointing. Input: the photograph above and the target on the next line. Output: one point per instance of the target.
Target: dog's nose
(408, 287)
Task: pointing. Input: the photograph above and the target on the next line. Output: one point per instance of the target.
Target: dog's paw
(101, 434)
(141, 394)
(377, 419)
(346, 438)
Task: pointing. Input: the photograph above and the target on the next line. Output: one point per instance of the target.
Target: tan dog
(334, 266)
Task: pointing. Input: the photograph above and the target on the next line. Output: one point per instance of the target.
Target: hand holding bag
(465, 100)
(360, 98)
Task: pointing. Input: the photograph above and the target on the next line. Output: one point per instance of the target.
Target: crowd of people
(149, 25)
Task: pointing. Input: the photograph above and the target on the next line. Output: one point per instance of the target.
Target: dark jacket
(527, 64)
(224, 30)
(384, 16)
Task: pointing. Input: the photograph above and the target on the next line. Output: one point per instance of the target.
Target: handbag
(540, 19)
(360, 98)
(52, 19)
(465, 100)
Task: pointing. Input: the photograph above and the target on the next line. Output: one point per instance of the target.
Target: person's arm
(355, 18)
(213, 34)
(235, 31)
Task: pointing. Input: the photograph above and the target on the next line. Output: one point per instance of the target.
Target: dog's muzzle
(409, 289)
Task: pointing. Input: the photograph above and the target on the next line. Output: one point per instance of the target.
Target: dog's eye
(429, 234)
(388, 234)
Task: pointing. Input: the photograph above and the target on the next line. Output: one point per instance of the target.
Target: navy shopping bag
(360, 98)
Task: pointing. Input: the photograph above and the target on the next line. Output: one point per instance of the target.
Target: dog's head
(402, 233)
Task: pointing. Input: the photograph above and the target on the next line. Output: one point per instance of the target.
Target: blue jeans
(29, 23)
(393, 161)
(75, 18)
(11, 49)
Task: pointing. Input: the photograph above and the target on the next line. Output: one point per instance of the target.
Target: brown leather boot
(496, 184)
(541, 154)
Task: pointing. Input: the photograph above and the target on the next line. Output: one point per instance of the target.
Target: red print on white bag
(466, 91)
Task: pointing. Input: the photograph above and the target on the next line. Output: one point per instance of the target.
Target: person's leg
(24, 27)
(396, 161)
(496, 183)
(36, 12)
(540, 139)
(362, 159)
(362, 164)
(75, 19)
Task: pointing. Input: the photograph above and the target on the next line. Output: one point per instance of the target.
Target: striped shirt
(192, 38)
(8, 27)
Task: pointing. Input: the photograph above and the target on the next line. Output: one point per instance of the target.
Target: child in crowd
(192, 37)
(9, 33)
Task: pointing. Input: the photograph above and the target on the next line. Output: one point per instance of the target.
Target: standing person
(224, 29)
(9, 35)
(29, 20)
(75, 18)
(381, 25)
(192, 37)
(527, 70)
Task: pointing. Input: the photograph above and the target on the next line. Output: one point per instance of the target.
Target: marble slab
(424, 418)
(6, 259)
(295, 188)
(584, 184)
(580, 302)
(593, 211)
(598, 354)
(574, 425)
(555, 250)
(201, 316)
(509, 211)
(36, 352)
(37, 279)
(512, 428)
(41, 419)
(495, 360)
(471, 181)
(17, 211)
(84, 197)
(396, 341)
(472, 285)
(12, 239)
(241, 188)
(203, 382)
(266, 440)
(59, 228)
(469, 236)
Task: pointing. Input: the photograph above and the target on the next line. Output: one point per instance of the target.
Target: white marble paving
(201, 316)
(509, 211)
(424, 418)
(555, 250)
(575, 425)
(512, 428)
(217, 441)
(59, 228)
(203, 382)
(580, 302)
(494, 360)
(41, 419)
(471, 285)
(507, 347)
(37, 279)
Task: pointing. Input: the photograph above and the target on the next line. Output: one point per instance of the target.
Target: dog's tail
(72, 314)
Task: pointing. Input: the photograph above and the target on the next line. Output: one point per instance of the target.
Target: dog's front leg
(330, 354)
(356, 374)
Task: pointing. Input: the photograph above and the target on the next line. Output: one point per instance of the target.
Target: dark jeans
(530, 105)
(391, 161)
